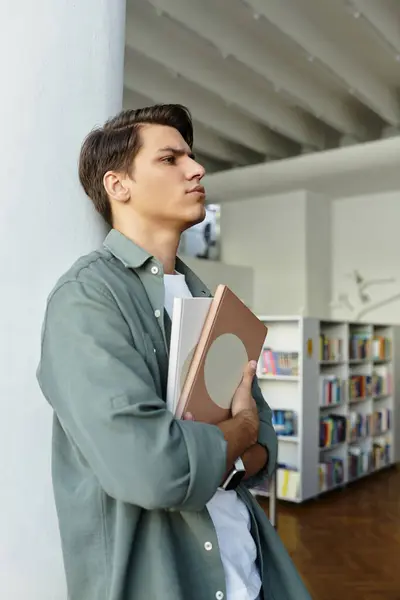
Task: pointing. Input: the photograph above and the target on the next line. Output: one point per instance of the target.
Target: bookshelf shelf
(341, 419)
(289, 439)
(280, 377)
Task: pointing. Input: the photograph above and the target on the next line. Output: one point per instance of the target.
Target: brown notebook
(231, 336)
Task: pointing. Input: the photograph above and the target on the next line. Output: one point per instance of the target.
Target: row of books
(285, 422)
(364, 461)
(330, 473)
(335, 429)
(275, 362)
(332, 430)
(332, 390)
(287, 482)
(332, 387)
(360, 386)
(359, 426)
(359, 462)
(381, 421)
(382, 384)
(381, 347)
(330, 348)
(359, 346)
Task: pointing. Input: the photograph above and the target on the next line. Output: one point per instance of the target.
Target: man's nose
(197, 171)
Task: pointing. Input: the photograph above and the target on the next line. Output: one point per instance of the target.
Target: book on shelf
(276, 362)
(360, 386)
(332, 430)
(359, 462)
(331, 390)
(360, 346)
(284, 422)
(287, 483)
(212, 340)
(330, 473)
(380, 455)
(330, 349)
(381, 347)
(360, 426)
(362, 461)
(381, 421)
(381, 384)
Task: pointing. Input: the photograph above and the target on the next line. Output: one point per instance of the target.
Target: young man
(141, 509)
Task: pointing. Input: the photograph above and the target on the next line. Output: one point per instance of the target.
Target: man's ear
(116, 186)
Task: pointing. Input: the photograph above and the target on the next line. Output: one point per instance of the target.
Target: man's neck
(160, 243)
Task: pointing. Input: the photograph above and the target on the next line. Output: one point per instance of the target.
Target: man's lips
(199, 189)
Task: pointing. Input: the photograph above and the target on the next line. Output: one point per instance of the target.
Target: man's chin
(196, 219)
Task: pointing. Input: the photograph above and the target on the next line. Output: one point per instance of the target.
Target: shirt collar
(129, 253)
(133, 256)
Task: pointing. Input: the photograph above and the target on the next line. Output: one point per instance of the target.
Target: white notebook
(188, 316)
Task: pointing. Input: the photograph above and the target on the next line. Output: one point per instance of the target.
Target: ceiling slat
(202, 64)
(210, 20)
(153, 80)
(383, 18)
(293, 22)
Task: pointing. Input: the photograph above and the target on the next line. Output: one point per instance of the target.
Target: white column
(62, 66)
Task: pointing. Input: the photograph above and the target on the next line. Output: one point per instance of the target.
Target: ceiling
(268, 79)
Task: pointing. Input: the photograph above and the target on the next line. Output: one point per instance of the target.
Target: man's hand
(241, 431)
(243, 403)
(255, 459)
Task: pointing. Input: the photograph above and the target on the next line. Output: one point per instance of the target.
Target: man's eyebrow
(177, 151)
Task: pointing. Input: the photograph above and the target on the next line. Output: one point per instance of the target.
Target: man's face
(165, 184)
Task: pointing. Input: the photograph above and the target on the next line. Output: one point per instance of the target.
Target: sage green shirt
(131, 483)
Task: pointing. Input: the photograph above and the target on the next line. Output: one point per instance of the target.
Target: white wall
(64, 66)
(285, 239)
(366, 237)
(239, 279)
(268, 234)
(318, 255)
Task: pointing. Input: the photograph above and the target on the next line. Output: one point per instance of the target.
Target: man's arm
(105, 399)
(255, 460)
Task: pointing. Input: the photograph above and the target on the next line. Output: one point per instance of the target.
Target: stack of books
(212, 340)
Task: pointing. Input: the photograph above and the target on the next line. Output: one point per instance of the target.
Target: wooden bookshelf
(334, 388)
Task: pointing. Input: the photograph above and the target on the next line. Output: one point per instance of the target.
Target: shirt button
(208, 546)
(219, 595)
(154, 270)
(157, 313)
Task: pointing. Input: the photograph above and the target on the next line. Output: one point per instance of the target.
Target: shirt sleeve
(266, 437)
(104, 397)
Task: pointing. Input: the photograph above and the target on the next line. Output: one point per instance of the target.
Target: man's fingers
(249, 372)
(188, 417)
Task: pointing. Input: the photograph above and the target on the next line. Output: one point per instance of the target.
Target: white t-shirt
(229, 514)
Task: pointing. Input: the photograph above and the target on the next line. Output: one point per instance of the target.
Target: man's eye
(169, 159)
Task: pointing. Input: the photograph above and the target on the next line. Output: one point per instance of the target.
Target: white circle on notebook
(223, 369)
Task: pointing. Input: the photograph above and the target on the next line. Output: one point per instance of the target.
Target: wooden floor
(346, 545)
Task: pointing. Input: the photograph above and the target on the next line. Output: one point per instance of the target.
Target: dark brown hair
(115, 145)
